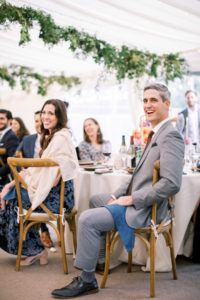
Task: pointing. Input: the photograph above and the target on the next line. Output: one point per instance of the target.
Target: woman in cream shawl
(43, 184)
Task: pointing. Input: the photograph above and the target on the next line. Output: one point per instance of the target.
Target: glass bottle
(131, 153)
(138, 154)
(123, 151)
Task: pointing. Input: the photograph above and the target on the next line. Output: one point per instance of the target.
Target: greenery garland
(126, 62)
(25, 75)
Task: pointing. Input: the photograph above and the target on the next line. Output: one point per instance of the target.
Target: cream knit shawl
(41, 179)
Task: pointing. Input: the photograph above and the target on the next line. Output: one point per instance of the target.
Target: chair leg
(17, 266)
(72, 227)
(64, 260)
(58, 226)
(129, 261)
(106, 269)
(175, 275)
(152, 264)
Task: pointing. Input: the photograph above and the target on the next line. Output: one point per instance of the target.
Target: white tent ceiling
(160, 26)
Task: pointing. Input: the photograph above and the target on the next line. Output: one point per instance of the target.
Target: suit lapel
(154, 139)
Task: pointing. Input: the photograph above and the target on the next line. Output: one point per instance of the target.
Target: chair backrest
(156, 175)
(14, 163)
(19, 154)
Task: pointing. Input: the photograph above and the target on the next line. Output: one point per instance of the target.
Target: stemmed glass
(106, 150)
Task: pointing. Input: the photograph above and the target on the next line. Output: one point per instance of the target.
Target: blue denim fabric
(127, 233)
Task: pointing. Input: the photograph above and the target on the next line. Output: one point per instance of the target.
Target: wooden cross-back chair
(29, 218)
(149, 236)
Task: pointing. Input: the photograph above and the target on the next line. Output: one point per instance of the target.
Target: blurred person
(9, 141)
(30, 147)
(93, 146)
(43, 184)
(129, 207)
(19, 128)
(192, 112)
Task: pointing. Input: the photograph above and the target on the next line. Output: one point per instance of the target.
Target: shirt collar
(157, 127)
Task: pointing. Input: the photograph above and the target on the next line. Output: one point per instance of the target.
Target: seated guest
(9, 141)
(130, 206)
(19, 128)
(93, 146)
(43, 184)
(30, 147)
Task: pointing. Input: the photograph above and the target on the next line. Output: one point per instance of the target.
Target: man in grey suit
(166, 145)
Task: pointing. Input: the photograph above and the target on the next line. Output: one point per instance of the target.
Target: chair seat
(34, 216)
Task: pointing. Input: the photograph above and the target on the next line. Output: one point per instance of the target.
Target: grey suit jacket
(167, 146)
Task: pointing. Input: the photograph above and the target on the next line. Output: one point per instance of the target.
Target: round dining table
(87, 184)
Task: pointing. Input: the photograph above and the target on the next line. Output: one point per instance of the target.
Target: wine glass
(106, 150)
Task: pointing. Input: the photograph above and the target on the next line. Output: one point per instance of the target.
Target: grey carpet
(36, 282)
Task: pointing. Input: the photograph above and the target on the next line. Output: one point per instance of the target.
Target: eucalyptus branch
(124, 62)
(25, 76)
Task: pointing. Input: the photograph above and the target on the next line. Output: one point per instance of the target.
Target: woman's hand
(123, 201)
(24, 173)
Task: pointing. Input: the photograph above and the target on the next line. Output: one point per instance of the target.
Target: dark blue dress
(9, 228)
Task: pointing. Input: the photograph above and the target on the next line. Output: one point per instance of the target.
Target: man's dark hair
(190, 91)
(161, 88)
(7, 113)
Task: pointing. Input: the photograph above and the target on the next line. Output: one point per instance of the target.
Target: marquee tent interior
(159, 26)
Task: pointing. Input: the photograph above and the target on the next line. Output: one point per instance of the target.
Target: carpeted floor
(36, 282)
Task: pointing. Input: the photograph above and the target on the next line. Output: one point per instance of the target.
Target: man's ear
(168, 102)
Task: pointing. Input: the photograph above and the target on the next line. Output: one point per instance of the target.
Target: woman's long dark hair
(61, 115)
(22, 128)
(99, 133)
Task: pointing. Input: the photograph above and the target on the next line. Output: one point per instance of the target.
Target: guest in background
(19, 128)
(30, 147)
(9, 141)
(192, 113)
(43, 184)
(93, 146)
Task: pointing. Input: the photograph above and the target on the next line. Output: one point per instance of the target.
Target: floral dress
(9, 228)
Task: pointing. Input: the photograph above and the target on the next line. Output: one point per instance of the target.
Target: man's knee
(98, 200)
(85, 219)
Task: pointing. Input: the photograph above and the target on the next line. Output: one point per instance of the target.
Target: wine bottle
(131, 152)
(123, 151)
(138, 154)
(123, 148)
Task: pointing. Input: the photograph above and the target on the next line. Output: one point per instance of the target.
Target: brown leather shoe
(46, 239)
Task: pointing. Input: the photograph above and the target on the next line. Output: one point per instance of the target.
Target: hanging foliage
(25, 76)
(124, 61)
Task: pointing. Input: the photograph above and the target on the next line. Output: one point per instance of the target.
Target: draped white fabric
(160, 26)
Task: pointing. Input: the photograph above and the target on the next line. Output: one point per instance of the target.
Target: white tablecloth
(87, 184)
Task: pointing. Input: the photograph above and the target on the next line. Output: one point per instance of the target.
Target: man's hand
(110, 201)
(123, 201)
